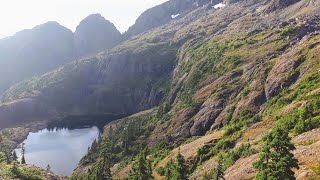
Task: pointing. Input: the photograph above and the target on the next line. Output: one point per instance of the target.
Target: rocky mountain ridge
(36, 51)
(33, 52)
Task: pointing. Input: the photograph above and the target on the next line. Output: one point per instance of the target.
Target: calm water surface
(62, 149)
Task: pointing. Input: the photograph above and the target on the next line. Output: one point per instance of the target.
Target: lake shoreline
(61, 148)
(14, 136)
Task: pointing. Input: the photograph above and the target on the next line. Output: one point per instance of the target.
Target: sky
(16, 15)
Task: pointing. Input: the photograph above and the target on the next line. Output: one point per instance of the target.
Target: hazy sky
(16, 15)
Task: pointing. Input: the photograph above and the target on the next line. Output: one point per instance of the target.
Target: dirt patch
(210, 164)
(242, 169)
(257, 130)
(307, 138)
(120, 173)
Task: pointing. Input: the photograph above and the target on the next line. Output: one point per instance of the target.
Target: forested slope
(217, 80)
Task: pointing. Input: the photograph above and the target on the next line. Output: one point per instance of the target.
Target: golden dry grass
(188, 151)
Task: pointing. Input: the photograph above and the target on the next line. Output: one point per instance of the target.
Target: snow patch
(220, 5)
(174, 16)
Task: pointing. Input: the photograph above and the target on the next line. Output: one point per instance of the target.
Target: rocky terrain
(217, 80)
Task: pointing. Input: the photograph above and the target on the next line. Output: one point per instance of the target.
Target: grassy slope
(247, 123)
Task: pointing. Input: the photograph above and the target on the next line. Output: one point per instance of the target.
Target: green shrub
(3, 158)
(26, 173)
(244, 118)
(161, 171)
(305, 119)
(233, 155)
(287, 31)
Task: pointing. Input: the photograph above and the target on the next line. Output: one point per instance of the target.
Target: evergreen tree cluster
(308, 118)
(130, 133)
(5, 155)
(217, 173)
(177, 170)
(101, 169)
(141, 169)
(23, 160)
(276, 159)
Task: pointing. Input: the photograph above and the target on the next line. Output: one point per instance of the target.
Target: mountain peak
(50, 25)
(94, 19)
(94, 34)
(96, 16)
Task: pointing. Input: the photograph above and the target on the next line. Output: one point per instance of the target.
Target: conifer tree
(276, 159)
(125, 141)
(218, 172)
(111, 137)
(23, 160)
(169, 170)
(94, 146)
(1, 146)
(111, 133)
(14, 156)
(180, 169)
(8, 159)
(14, 169)
(103, 171)
(141, 169)
(48, 167)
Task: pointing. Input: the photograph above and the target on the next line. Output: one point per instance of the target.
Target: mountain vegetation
(218, 93)
(276, 160)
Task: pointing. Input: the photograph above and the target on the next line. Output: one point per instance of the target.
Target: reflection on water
(62, 149)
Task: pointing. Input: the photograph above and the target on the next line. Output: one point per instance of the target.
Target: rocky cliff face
(95, 34)
(126, 80)
(20, 112)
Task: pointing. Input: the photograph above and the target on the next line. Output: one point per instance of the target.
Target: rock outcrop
(23, 111)
(276, 5)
